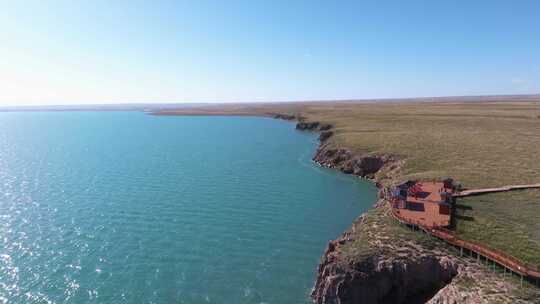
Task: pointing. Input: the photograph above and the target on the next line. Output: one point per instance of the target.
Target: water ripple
(125, 207)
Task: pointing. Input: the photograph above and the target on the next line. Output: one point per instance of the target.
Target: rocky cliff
(379, 260)
(344, 160)
(312, 126)
(381, 271)
(283, 116)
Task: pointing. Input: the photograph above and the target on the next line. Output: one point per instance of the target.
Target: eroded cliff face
(344, 160)
(383, 270)
(380, 261)
(312, 126)
(283, 116)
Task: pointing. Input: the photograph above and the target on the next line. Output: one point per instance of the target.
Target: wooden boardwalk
(499, 257)
(492, 190)
(508, 262)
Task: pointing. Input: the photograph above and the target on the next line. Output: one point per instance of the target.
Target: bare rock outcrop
(347, 162)
(383, 272)
(325, 135)
(284, 116)
(474, 285)
(312, 126)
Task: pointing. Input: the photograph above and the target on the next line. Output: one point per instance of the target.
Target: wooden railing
(500, 257)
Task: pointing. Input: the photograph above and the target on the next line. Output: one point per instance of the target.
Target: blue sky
(70, 52)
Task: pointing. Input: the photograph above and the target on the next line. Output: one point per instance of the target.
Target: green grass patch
(507, 221)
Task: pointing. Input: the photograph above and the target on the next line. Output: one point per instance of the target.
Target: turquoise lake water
(124, 207)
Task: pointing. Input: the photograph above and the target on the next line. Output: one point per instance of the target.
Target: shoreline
(441, 276)
(367, 166)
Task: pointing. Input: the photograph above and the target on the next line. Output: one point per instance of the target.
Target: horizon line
(179, 103)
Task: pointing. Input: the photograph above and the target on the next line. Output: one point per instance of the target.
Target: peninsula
(486, 142)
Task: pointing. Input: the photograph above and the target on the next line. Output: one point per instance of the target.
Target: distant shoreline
(164, 106)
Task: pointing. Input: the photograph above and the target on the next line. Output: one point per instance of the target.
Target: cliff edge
(379, 260)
